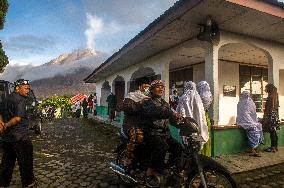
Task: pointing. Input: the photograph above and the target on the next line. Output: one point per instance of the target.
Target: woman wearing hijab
(174, 99)
(247, 119)
(203, 89)
(270, 117)
(190, 105)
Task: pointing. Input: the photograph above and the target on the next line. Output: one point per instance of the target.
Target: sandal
(255, 155)
(270, 149)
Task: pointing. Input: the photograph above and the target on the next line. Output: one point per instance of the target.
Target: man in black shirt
(156, 117)
(16, 142)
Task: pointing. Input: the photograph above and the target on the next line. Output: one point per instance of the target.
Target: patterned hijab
(203, 89)
(156, 83)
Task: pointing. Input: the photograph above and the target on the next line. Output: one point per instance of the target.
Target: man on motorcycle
(132, 106)
(156, 116)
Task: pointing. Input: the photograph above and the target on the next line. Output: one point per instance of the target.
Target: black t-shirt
(156, 114)
(16, 107)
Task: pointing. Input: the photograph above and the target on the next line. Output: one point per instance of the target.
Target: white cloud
(98, 29)
(18, 62)
(16, 70)
(112, 23)
(95, 26)
(128, 12)
(30, 44)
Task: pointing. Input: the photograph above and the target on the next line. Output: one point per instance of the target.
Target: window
(254, 80)
(178, 77)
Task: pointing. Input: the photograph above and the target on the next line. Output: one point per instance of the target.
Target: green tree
(3, 58)
(62, 102)
(3, 11)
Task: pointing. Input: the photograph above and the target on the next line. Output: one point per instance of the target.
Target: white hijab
(246, 115)
(203, 89)
(190, 105)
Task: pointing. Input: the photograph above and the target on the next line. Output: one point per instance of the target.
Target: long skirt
(255, 137)
(207, 146)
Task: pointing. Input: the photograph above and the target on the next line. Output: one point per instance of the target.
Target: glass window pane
(256, 86)
(256, 71)
(244, 70)
(257, 99)
(245, 83)
(265, 72)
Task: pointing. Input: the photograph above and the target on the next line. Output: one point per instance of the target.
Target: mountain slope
(61, 76)
(69, 84)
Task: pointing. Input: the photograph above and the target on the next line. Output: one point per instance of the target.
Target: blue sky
(37, 31)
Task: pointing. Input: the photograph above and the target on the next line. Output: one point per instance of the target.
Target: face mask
(147, 92)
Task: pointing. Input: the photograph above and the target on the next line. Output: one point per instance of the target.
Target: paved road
(74, 153)
(272, 176)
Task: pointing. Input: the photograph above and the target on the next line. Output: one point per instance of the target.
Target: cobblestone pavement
(272, 176)
(74, 153)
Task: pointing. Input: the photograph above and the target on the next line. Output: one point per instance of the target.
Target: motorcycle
(36, 121)
(193, 170)
(34, 113)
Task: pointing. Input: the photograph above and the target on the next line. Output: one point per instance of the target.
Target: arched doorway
(242, 67)
(146, 72)
(105, 91)
(118, 86)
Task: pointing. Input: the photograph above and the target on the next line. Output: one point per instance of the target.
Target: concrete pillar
(127, 85)
(211, 76)
(273, 71)
(165, 77)
(98, 92)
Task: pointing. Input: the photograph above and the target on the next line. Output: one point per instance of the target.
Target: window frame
(264, 70)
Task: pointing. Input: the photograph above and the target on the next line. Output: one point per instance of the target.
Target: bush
(62, 102)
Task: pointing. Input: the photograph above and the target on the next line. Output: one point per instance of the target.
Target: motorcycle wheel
(121, 156)
(214, 177)
(38, 128)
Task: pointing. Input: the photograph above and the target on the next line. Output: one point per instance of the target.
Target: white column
(211, 76)
(274, 62)
(127, 85)
(273, 72)
(165, 77)
(98, 92)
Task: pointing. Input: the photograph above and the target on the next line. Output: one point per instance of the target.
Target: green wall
(102, 111)
(232, 141)
(224, 141)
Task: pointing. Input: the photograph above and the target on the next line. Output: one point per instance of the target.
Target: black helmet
(188, 126)
(22, 82)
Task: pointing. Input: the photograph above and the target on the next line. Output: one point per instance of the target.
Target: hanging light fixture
(209, 32)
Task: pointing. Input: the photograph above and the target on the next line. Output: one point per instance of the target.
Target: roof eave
(171, 14)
